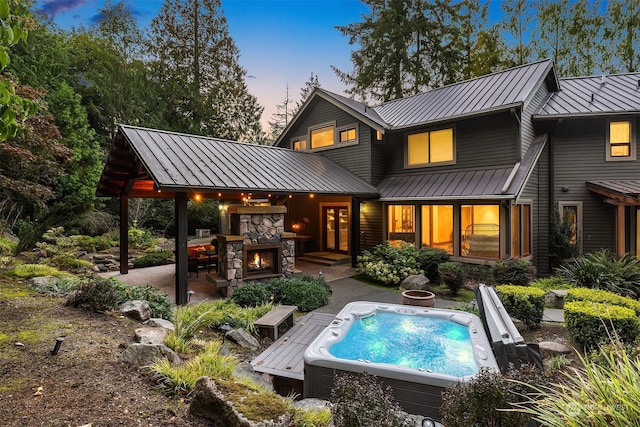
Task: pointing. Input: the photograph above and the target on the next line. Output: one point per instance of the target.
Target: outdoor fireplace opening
(262, 260)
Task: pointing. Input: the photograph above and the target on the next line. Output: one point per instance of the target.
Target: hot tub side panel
(415, 398)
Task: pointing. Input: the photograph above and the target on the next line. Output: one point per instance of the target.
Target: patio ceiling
(155, 163)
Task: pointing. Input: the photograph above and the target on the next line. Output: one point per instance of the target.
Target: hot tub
(416, 351)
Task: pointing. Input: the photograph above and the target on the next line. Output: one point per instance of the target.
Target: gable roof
(586, 96)
(493, 92)
(176, 162)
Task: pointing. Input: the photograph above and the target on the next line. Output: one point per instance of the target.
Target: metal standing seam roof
(626, 187)
(181, 162)
(494, 91)
(609, 94)
(468, 184)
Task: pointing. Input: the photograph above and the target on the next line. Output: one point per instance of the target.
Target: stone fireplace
(257, 247)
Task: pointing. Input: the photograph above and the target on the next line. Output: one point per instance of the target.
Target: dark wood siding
(579, 156)
(480, 142)
(371, 227)
(355, 158)
(527, 132)
(537, 190)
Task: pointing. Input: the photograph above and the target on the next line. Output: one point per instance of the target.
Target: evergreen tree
(622, 35)
(306, 91)
(196, 62)
(554, 22)
(280, 119)
(518, 26)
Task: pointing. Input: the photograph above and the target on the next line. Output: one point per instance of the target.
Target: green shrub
(604, 270)
(7, 247)
(525, 303)
(61, 286)
(360, 400)
(140, 238)
(99, 294)
(513, 271)
(251, 295)
(605, 297)
(152, 259)
(550, 283)
(96, 294)
(306, 292)
(599, 394)
(588, 323)
(452, 275)
(390, 264)
(429, 259)
(28, 271)
(485, 400)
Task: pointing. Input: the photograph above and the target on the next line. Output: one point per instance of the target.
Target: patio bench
(269, 324)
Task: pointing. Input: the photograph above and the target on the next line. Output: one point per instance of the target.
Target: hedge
(602, 296)
(523, 302)
(588, 323)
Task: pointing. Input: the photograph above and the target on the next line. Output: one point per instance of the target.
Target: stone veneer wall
(253, 225)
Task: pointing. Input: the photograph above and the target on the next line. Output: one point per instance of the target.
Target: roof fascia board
(132, 147)
(543, 117)
(445, 198)
(182, 189)
(494, 110)
(321, 93)
(534, 163)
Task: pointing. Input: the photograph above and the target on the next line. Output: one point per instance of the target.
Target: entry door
(336, 228)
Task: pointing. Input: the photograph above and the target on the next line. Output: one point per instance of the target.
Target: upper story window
(378, 135)
(433, 147)
(348, 135)
(620, 144)
(322, 137)
(299, 144)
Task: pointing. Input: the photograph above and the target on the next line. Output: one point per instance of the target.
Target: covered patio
(150, 163)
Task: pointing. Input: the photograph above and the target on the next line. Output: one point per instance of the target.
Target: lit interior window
(348, 135)
(322, 137)
(300, 144)
(401, 223)
(437, 227)
(430, 147)
(480, 226)
(620, 139)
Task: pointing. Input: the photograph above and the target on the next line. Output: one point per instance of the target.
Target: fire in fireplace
(261, 260)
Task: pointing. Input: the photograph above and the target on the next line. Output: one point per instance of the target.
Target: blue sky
(281, 41)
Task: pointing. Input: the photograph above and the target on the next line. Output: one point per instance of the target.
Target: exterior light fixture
(290, 196)
(311, 195)
(189, 295)
(56, 348)
(197, 197)
(225, 330)
(320, 275)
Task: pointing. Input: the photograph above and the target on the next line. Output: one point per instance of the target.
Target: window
(620, 141)
(322, 137)
(299, 144)
(348, 135)
(430, 147)
(521, 230)
(401, 223)
(378, 135)
(571, 219)
(437, 227)
(480, 227)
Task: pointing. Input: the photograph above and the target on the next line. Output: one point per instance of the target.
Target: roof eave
(445, 198)
(580, 115)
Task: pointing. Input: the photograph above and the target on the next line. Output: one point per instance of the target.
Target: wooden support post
(124, 235)
(181, 248)
(620, 221)
(355, 231)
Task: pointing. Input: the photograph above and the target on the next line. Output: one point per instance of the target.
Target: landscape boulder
(553, 348)
(243, 339)
(157, 322)
(415, 282)
(149, 335)
(137, 310)
(142, 355)
(209, 401)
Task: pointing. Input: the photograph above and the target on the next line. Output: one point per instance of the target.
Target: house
(479, 167)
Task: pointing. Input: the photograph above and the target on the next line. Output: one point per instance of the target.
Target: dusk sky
(280, 41)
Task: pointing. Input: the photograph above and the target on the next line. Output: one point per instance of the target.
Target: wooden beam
(181, 248)
(620, 234)
(131, 179)
(124, 235)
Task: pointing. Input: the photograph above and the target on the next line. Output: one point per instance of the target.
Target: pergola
(151, 163)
